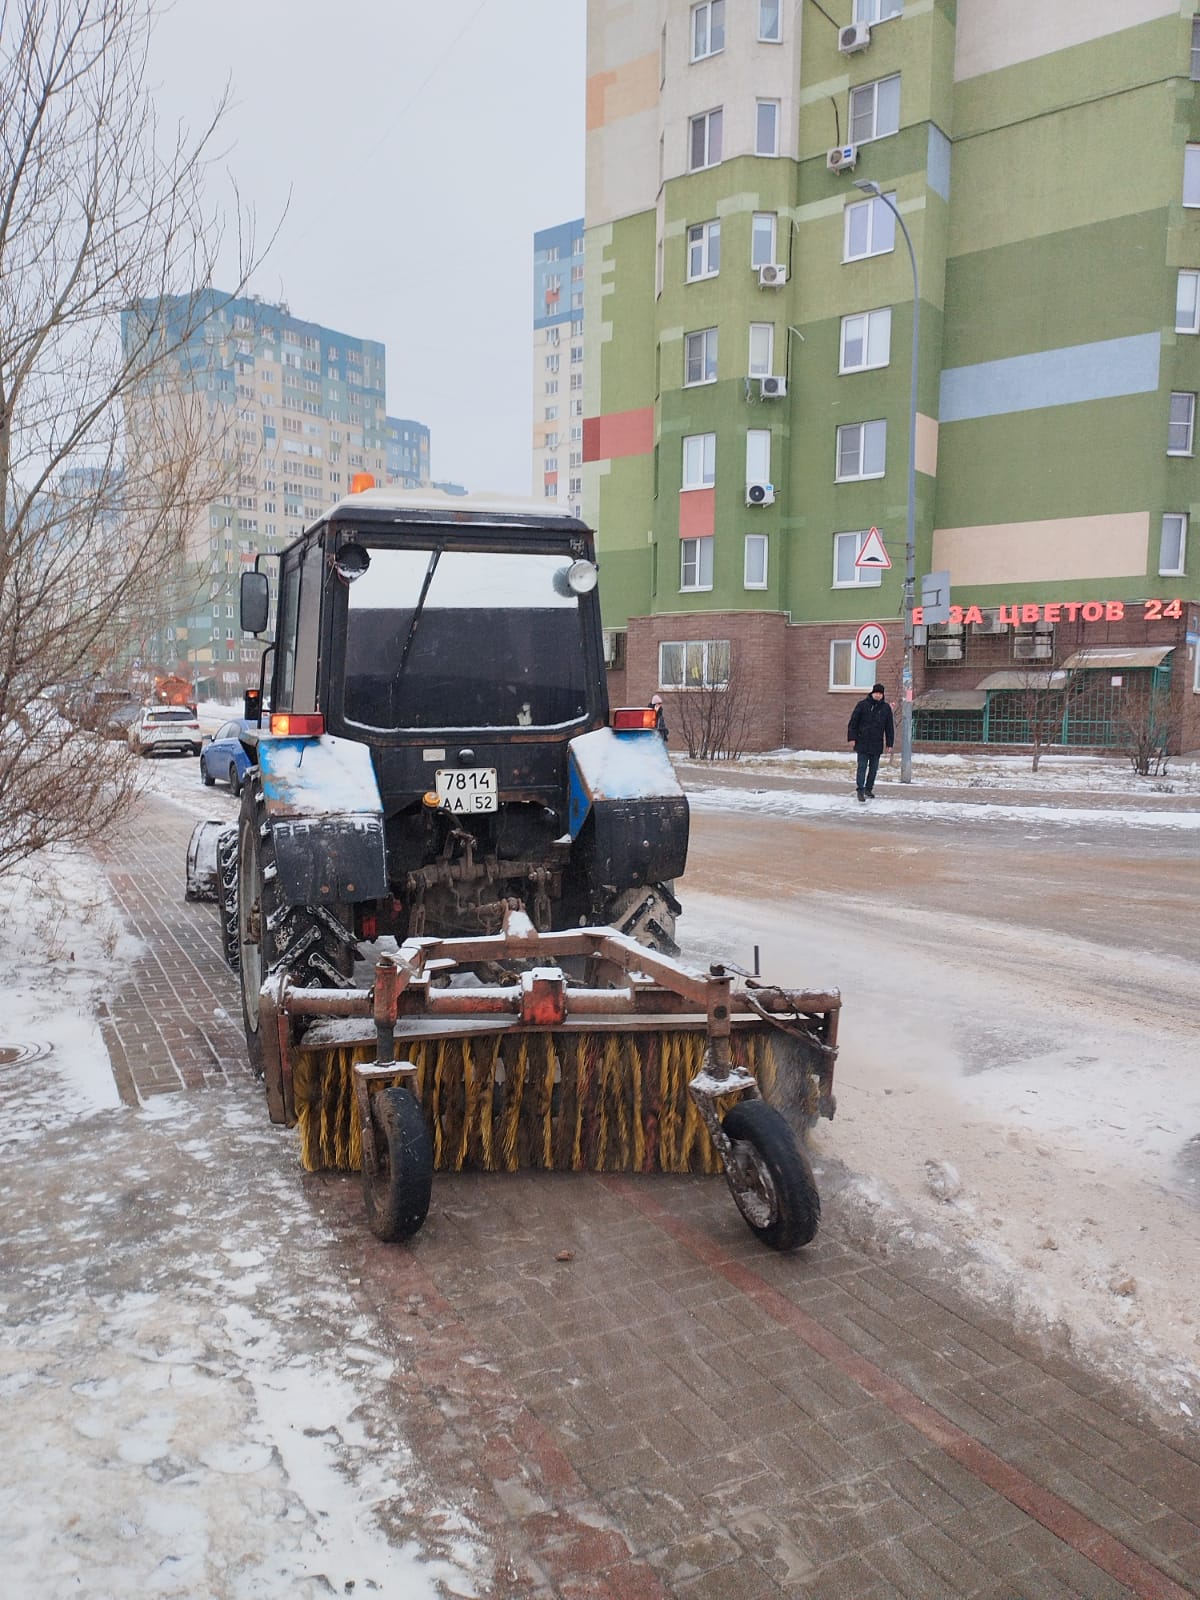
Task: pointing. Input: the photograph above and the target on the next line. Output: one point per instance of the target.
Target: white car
(159, 729)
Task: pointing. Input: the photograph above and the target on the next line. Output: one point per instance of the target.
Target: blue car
(223, 760)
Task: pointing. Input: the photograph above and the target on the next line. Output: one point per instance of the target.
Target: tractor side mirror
(255, 598)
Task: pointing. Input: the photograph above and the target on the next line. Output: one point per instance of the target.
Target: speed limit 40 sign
(871, 641)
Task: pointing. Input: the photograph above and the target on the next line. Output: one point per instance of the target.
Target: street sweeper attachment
(481, 1054)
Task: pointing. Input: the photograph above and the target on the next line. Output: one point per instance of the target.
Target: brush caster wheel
(397, 1193)
(771, 1181)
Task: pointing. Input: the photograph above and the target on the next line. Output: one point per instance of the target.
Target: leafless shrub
(717, 718)
(1145, 731)
(105, 454)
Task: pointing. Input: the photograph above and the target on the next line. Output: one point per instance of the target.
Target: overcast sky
(423, 145)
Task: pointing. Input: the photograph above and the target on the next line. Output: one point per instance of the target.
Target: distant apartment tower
(296, 409)
(558, 364)
(754, 174)
(407, 452)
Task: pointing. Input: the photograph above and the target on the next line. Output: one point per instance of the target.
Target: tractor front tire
(774, 1189)
(396, 1194)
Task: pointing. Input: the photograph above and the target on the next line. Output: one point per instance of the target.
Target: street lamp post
(910, 537)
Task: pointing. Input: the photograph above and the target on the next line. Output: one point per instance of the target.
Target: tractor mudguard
(323, 804)
(625, 782)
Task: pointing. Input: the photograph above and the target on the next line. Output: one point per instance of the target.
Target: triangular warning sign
(872, 553)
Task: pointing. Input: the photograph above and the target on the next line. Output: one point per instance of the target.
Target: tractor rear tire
(397, 1195)
(780, 1204)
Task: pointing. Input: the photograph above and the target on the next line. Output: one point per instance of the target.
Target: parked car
(114, 721)
(223, 760)
(159, 729)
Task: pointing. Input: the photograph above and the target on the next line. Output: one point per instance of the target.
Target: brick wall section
(757, 640)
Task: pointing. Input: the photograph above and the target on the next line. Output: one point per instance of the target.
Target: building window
(704, 250)
(575, 486)
(1172, 547)
(762, 239)
(866, 340)
(762, 349)
(869, 230)
(695, 563)
(1187, 303)
(551, 413)
(1181, 424)
(766, 128)
(693, 664)
(873, 11)
(755, 569)
(699, 461)
(1191, 176)
(1194, 73)
(551, 363)
(769, 28)
(700, 357)
(847, 669)
(875, 110)
(704, 140)
(845, 553)
(861, 450)
(708, 29)
(758, 455)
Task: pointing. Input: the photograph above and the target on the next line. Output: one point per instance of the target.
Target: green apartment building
(748, 374)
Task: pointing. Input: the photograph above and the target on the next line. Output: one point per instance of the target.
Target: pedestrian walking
(871, 727)
(660, 721)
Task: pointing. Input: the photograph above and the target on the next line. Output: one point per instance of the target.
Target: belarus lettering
(1067, 611)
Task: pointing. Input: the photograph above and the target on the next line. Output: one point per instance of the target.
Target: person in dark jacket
(871, 727)
(660, 721)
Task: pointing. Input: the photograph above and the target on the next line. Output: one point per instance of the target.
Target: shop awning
(1114, 658)
(1024, 680)
(950, 700)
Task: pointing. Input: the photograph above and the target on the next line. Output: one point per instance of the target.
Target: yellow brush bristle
(605, 1102)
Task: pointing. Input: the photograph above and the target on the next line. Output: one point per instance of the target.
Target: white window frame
(843, 433)
(1177, 548)
(1187, 301)
(864, 123)
(707, 18)
(758, 455)
(879, 216)
(703, 245)
(1191, 176)
(1175, 423)
(756, 542)
(702, 454)
(771, 218)
(876, 11)
(876, 340)
(695, 564)
(763, 364)
(863, 577)
(770, 145)
(706, 120)
(712, 654)
(777, 36)
(861, 674)
(700, 350)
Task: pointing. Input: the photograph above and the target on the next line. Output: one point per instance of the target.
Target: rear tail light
(300, 724)
(633, 718)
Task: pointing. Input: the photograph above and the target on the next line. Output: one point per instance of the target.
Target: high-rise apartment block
(747, 396)
(296, 410)
(407, 447)
(558, 364)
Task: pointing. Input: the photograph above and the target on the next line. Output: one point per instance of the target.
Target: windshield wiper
(416, 616)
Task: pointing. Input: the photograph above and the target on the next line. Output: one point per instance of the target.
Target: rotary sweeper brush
(439, 776)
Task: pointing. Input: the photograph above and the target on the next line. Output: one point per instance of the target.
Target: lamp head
(867, 186)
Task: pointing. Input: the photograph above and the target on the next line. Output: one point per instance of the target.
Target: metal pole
(910, 536)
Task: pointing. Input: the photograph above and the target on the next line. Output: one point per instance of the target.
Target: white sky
(413, 208)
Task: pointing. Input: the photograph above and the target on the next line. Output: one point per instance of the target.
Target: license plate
(467, 788)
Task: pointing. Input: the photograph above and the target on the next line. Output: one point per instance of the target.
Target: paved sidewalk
(673, 1410)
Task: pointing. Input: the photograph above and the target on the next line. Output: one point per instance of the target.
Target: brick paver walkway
(674, 1410)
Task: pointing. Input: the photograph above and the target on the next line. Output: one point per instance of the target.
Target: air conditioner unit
(944, 650)
(842, 157)
(760, 494)
(854, 38)
(772, 275)
(1033, 647)
(991, 622)
(772, 388)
